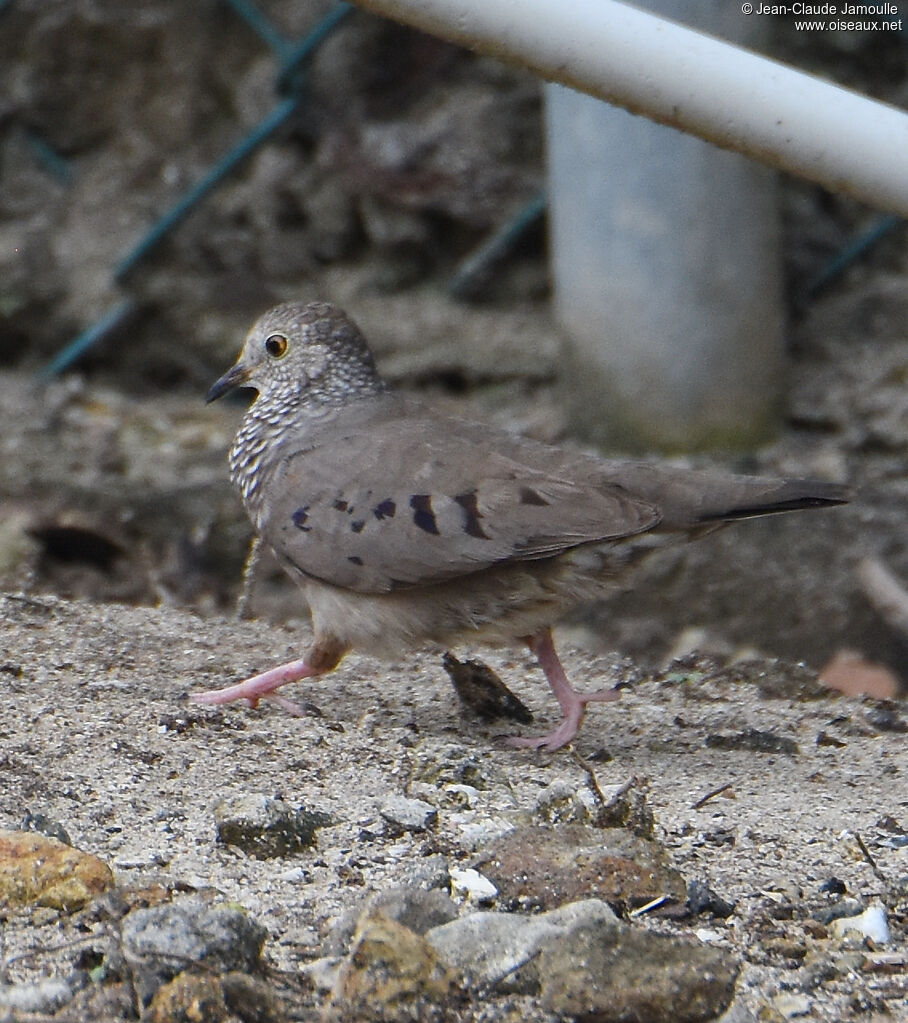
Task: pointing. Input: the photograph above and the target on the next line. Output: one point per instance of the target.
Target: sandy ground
(98, 735)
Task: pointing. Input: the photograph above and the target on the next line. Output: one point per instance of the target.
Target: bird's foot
(572, 703)
(253, 689)
(574, 707)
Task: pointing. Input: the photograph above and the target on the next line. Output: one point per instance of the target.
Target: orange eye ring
(276, 346)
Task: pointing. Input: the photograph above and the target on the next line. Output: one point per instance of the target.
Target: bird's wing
(400, 500)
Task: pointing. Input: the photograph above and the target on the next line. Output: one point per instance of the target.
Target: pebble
(159, 942)
(871, 924)
(404, 814)
(470, 884)
(265, 827)
(791, 1004)
(493, 949)
(392, 974)
(620, 973)
(41, 871)
(540, 867)
(44, 996)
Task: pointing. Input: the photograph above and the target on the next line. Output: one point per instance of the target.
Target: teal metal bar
(108, 322)
(262, 27)
(496, 245)
(296, 55)
(220, 170)
(852, 252)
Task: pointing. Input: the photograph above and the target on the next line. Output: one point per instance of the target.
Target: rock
(251, 999)
(869, 924)
(611, 975)
(44, 996)
(497, 951)
(561, 801)
(392, 974)
(415, 908)
(542, 867)
(790, 1004)
(702, 899)
(472, 885)
(42, 871)
(188, 998)
(404, 814)
(45, 825)
(160, 942)
(264, 827)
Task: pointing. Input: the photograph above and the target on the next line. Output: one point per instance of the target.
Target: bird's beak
(236, 376)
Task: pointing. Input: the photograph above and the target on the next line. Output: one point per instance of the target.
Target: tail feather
(788, 495)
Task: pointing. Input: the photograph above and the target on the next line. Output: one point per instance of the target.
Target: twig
(880, 876)
(587, 769)
(703, 800)
(252, 560)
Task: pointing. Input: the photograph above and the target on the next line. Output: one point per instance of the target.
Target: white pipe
(728, 95)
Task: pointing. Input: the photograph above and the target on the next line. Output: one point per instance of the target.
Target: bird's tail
(758, 496)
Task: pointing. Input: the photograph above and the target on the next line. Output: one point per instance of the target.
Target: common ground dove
(405, 526)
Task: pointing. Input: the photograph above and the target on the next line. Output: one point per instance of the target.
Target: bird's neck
(269, 421)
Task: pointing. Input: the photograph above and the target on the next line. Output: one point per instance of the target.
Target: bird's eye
(276, 346)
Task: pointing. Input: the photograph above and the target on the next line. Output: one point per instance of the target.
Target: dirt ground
(97, 734)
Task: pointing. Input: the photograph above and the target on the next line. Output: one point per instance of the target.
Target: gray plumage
(405, 525)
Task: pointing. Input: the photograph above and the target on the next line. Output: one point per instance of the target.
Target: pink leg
(253, 689)
(573, 704)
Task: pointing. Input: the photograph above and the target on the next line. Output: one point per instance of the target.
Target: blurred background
(169, 170)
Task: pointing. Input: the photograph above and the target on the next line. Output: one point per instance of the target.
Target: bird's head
(313, 352)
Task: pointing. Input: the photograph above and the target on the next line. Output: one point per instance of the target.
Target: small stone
(416, 908)
(472, 885)
(561, 801)
(188, 998)
(541, 868)
(496, 951)
(161, 941)
(702, 899)
(871, 924)
(616, 974)
(790, 1004)
(405, 814)
(43, 996)
(42, 871)
(392, 974)
(264, 827)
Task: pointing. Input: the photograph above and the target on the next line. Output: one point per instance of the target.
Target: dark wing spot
(423, 516)
(355, 559)
(339, 505)
(357, 525)
(530, 496)
(471, 515)
(385, 510)
(299, 518)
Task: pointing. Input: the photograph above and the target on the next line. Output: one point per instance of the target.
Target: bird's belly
(494, 606)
